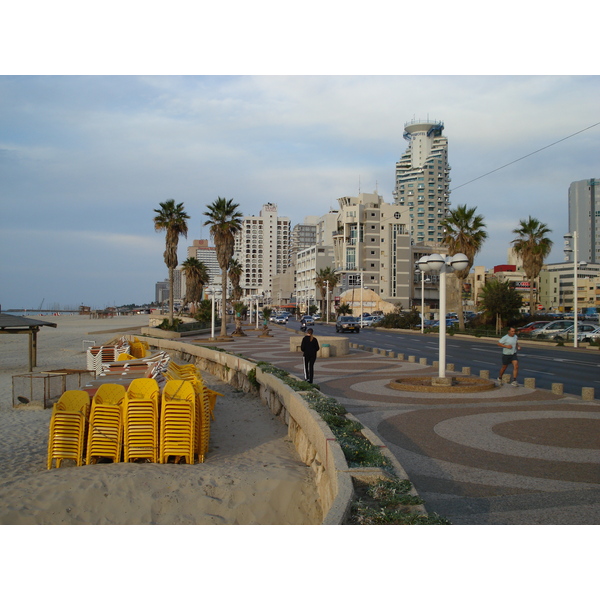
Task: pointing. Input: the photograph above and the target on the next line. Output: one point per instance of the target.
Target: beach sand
(251, 475)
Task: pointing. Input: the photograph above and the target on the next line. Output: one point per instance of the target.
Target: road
(574, 368)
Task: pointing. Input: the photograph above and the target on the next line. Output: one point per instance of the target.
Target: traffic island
(452, 385)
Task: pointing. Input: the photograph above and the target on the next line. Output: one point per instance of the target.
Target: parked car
(569, 333)
(588, 336)
(346, 323)
(531, 326)
(550, 328)
(369, 321)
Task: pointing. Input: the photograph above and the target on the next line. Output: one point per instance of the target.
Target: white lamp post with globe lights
(443, 264)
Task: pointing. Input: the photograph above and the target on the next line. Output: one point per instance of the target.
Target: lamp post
(327, 302)
(419, 265)
(443, 264)
(212, 293)
(568, 238)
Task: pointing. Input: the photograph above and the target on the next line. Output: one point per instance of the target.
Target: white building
(263, 248)
(208, 255)
(422, 181)
(584, 218)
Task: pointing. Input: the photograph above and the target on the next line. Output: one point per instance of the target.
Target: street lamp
(443, 264)
(327, 302)
(568, 238)
(419, 265)
(211, 291)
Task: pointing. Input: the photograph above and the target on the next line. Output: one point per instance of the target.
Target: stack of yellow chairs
(137, 348)
(105, 436)
(190, 372)
(140, 427)
(177, 421)
(67, 428)
(202, 422)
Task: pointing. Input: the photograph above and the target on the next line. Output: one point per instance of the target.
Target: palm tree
(235, 273)
(225, 221)
(324, 276)
(465, 233)
(196, 277)
(532, 247)
(500, 300)
(172, 219)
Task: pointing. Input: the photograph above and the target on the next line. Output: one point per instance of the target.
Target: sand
(252, 474)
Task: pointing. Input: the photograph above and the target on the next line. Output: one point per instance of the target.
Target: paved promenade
(505, 456)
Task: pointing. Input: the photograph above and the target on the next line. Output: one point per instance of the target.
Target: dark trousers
(309, 368)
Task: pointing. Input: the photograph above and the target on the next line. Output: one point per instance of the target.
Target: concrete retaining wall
(338, 346)
(312, 438)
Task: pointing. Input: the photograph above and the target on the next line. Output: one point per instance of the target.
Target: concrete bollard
(412, 358)
(450, 367)
(529, 382)
(436, 364)
(587, 393)
(484, 374)
(557, 388)
(391, 354)
(505, 378)
(423, 361)
(400, 356)
(466, 370)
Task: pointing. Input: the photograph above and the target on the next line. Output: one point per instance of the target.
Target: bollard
(529, 382)
(484, 374)
(423, 361)
(466, 370)
(505, 378)
(436, 364)
(412, 358)
(587, 393)
(557, 388)
(450, 367)
(400, 356)
(391, 354)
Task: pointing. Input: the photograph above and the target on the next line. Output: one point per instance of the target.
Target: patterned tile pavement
(504, 456)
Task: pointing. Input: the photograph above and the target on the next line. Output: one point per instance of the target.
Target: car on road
(530, 327)
(548, 330)
(280, 319)
(346, 323)
(369, 321)
(308, 321)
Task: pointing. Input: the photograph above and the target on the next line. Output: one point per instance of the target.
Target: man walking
(309, 347)
(509, 344)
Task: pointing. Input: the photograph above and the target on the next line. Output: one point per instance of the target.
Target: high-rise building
(304, 234)
(263, 248)
(584, 218)
(422, 181)
(208, 255)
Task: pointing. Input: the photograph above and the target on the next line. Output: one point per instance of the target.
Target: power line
(526, 156)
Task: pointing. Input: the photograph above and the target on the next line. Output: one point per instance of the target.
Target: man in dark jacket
(309, 347)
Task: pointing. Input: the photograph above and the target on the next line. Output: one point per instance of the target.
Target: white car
(587, 336)
(568, 334)
(548, 330)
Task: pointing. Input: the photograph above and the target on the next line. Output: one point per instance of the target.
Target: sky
(89, 150)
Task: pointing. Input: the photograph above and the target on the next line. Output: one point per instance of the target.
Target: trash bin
(325, 351)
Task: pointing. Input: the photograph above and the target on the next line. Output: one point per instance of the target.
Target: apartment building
(372, 246)
(422, 185)
(263, 248)
(206, 254)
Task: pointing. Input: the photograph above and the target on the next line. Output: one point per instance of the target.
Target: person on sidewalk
(309, 347)
(509, 344)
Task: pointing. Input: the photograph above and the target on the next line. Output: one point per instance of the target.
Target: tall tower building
(423, 180)
(584, 218)
(263, 248)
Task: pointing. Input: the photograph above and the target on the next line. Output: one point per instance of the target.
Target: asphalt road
(574, 368)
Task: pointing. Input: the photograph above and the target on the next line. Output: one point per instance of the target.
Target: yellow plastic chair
(125, 356)
(212, 400)
(177, 422)
(144, 387)
(105, 435)
(67, 428)
(140, 429)
(202, 421)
